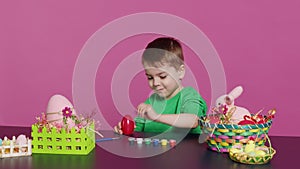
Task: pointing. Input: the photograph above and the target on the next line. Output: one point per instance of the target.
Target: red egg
(127, 125)
(247, 121)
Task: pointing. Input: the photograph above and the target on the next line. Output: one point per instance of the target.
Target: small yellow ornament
(250, 146)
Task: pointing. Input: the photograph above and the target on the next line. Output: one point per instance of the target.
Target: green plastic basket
(53, 142)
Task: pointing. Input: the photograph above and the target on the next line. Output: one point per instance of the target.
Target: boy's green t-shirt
(188, 100)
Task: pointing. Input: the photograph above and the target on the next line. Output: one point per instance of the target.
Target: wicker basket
(244, 158)
(63, 142)
(223, 136)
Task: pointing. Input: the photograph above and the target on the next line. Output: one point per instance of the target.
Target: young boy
(171, 105)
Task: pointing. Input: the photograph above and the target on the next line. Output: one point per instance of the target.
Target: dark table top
(187, 153)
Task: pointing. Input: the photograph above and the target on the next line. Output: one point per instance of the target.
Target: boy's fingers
(143, 111)
(118, 130)
(140, 109)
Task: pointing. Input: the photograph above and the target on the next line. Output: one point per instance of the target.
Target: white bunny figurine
(228, 100)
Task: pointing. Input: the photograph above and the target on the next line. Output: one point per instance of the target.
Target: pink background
(256, 41)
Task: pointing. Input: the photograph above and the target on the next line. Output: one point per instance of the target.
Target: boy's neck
(175, 92)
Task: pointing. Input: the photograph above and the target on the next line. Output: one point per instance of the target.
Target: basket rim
(270, 155)
(203, 123)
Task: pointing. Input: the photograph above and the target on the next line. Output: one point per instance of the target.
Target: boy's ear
(181, 71)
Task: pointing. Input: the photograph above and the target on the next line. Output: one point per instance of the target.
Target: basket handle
(269, 141)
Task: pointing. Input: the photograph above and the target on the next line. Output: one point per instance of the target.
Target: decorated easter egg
(6, 141)
(235, 150)
(127, 125)
(21, 139)
(260, 153)
(56, 105)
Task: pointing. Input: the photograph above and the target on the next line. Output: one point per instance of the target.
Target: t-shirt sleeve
(193, 103)
(139, 124)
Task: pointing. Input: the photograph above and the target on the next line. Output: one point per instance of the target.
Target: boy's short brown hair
(163, 51)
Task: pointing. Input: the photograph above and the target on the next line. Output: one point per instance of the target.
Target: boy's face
(165, 81)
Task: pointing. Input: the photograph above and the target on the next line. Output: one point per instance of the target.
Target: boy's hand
(146, 111)
(118, 128)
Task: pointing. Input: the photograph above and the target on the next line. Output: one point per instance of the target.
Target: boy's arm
(183, 120)
(193, 106)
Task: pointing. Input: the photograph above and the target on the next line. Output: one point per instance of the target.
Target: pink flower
(97, 125)
(70, 123)
(67, 112)
(40, 129)
(58, 125)
(42, 120)
(83, 123)
(78, 128)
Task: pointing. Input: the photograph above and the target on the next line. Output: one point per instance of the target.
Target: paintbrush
(107, 139)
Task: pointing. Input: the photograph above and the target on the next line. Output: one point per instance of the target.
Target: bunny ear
(236, 92)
